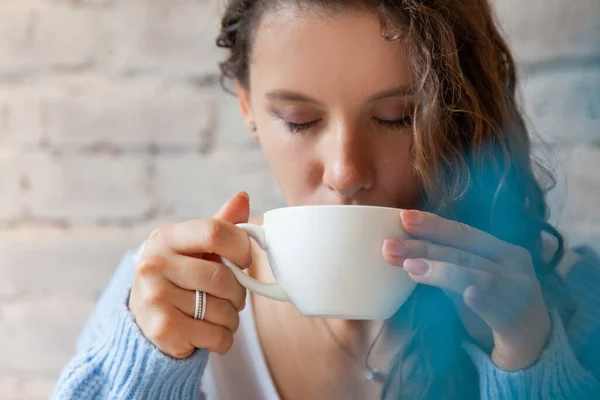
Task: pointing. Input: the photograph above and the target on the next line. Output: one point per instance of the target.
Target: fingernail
(416, 267)
(244, 195)
(395, 248)
(412, 217)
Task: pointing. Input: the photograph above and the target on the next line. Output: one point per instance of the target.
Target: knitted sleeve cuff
(123, 364)
(557, 374)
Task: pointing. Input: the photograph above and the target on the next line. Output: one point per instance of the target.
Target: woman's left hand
(492, 284)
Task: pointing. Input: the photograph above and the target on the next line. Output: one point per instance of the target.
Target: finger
(498, 314)
(191, 273)
(198, 237)
(206, 335)
(218, 311)
(477, 328)
(518, 294)
(176, 334)
(455, 234)
(448, 276)
(396, 251)
(236, 210)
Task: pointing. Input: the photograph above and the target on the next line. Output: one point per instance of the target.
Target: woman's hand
(180, 259)
(494, 279)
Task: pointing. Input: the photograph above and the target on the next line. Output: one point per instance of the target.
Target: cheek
(279, 148)
(292, 162)
(397, 175)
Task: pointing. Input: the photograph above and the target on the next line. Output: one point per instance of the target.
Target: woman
(408, 104)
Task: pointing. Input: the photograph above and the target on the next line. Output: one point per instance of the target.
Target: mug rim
(330, 206)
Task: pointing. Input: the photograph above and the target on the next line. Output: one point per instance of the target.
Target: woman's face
(332, 103)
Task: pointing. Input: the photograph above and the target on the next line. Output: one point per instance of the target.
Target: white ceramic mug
(327, 260)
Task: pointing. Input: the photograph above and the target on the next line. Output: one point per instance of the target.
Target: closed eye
(299, 128)
(401, 123)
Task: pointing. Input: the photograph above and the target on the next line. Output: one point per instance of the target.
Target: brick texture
(14, 388)
(93, 113)
(543, 31)
(563, 105)
(175, 38)
(72, 265)
(582, 190)
(86, 188)
(11, 198)
(37, 336)
(38, 37)
(21, 119)
(193, 186)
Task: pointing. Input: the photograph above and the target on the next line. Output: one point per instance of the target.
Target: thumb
(235, 210)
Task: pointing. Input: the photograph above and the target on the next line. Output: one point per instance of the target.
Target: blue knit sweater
(115, 361)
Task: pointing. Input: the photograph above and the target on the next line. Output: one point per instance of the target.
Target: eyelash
(395, 124)
(301, 128)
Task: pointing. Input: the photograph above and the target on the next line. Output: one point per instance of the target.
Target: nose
(348, 165)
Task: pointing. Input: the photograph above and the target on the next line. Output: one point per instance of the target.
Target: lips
(346, 203)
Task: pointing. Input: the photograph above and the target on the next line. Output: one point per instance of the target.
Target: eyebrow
(288, 95)
(400, 91)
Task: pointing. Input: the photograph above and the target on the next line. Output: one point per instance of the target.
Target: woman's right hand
(180, 259)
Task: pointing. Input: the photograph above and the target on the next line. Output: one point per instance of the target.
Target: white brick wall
(20, 116)
(10, 191)
(562, 104)
(112, 123)
(35, 38)
(581, 211)
(25, 388)
(128, 114)
(551, 30)
(67, 264)
(38, 333)
(87, 188)
(174, 37)
(188, 184)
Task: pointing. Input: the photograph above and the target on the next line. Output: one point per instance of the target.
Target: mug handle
(270, 290)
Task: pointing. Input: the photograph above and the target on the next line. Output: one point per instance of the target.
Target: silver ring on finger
(200, 306)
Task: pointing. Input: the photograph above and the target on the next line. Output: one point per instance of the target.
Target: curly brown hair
(472, 156)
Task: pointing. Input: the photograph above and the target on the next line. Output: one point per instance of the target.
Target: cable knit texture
(557, 375)
(115, 361)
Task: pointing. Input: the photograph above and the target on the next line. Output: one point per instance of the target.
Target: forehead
(339, 52)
